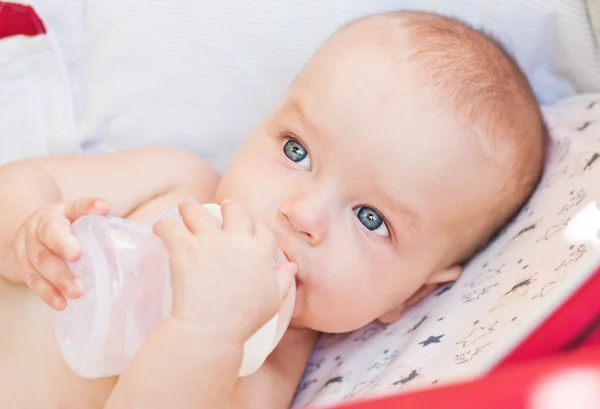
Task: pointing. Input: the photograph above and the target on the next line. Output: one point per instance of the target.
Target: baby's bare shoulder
(273, 386)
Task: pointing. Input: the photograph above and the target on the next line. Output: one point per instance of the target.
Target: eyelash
(288, 136)
(285, 135)
(383, 218)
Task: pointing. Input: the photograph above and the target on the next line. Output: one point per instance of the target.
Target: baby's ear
(448, 275)
(395, 314)
(445, 276)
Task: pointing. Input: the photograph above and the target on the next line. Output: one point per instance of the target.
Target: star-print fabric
(465, 329)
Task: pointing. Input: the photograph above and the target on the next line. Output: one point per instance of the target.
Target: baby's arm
(179, 367)
(125, 179)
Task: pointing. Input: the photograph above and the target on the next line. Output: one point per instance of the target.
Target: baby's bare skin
(33, 374)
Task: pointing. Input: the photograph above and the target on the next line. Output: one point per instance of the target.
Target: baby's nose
(306, 218)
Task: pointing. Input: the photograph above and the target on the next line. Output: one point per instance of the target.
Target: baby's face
(366, 185)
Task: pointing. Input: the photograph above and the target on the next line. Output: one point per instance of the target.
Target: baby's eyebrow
(407, 215)
(295, 108)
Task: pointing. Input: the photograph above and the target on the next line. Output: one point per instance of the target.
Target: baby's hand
(41, 245)
(224, 279)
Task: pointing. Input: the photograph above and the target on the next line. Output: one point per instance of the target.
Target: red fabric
(510, 387)
(18, 19)
(564, 326)
(594, 339)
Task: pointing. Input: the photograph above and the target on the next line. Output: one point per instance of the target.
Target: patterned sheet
(464, 329)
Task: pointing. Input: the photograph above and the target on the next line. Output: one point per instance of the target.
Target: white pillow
(464, 330)
(201, 75)
(35, 100)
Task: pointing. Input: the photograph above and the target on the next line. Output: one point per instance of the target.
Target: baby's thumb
(286, 276)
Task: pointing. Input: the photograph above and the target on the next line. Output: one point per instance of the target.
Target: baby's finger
(46, 291)
(286, 277)
(266, 237)
(196, 219)
(79, 208)
(172, 232)
(18, 257)
(54, 232)
(54, 269)
(236, 218)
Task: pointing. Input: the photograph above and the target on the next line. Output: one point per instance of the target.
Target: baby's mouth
(280, 257)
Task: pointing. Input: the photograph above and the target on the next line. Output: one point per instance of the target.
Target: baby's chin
(299, 321)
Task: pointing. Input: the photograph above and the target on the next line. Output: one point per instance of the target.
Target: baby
(399, 150)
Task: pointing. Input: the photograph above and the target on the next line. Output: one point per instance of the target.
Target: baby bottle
(127, 292)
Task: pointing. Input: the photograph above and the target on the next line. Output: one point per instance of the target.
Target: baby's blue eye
(296, 153)
(372, 220)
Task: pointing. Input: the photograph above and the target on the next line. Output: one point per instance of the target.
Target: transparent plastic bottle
(127, 293)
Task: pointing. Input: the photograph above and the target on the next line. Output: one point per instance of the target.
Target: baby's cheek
(241, 188)
(348, 306)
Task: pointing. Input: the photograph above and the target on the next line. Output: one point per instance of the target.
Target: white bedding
(35, 105)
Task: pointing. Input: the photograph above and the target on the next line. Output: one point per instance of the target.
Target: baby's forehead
(384, 149)
(409, 131)
(366, 96)
(371, 114)
(411, 150)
